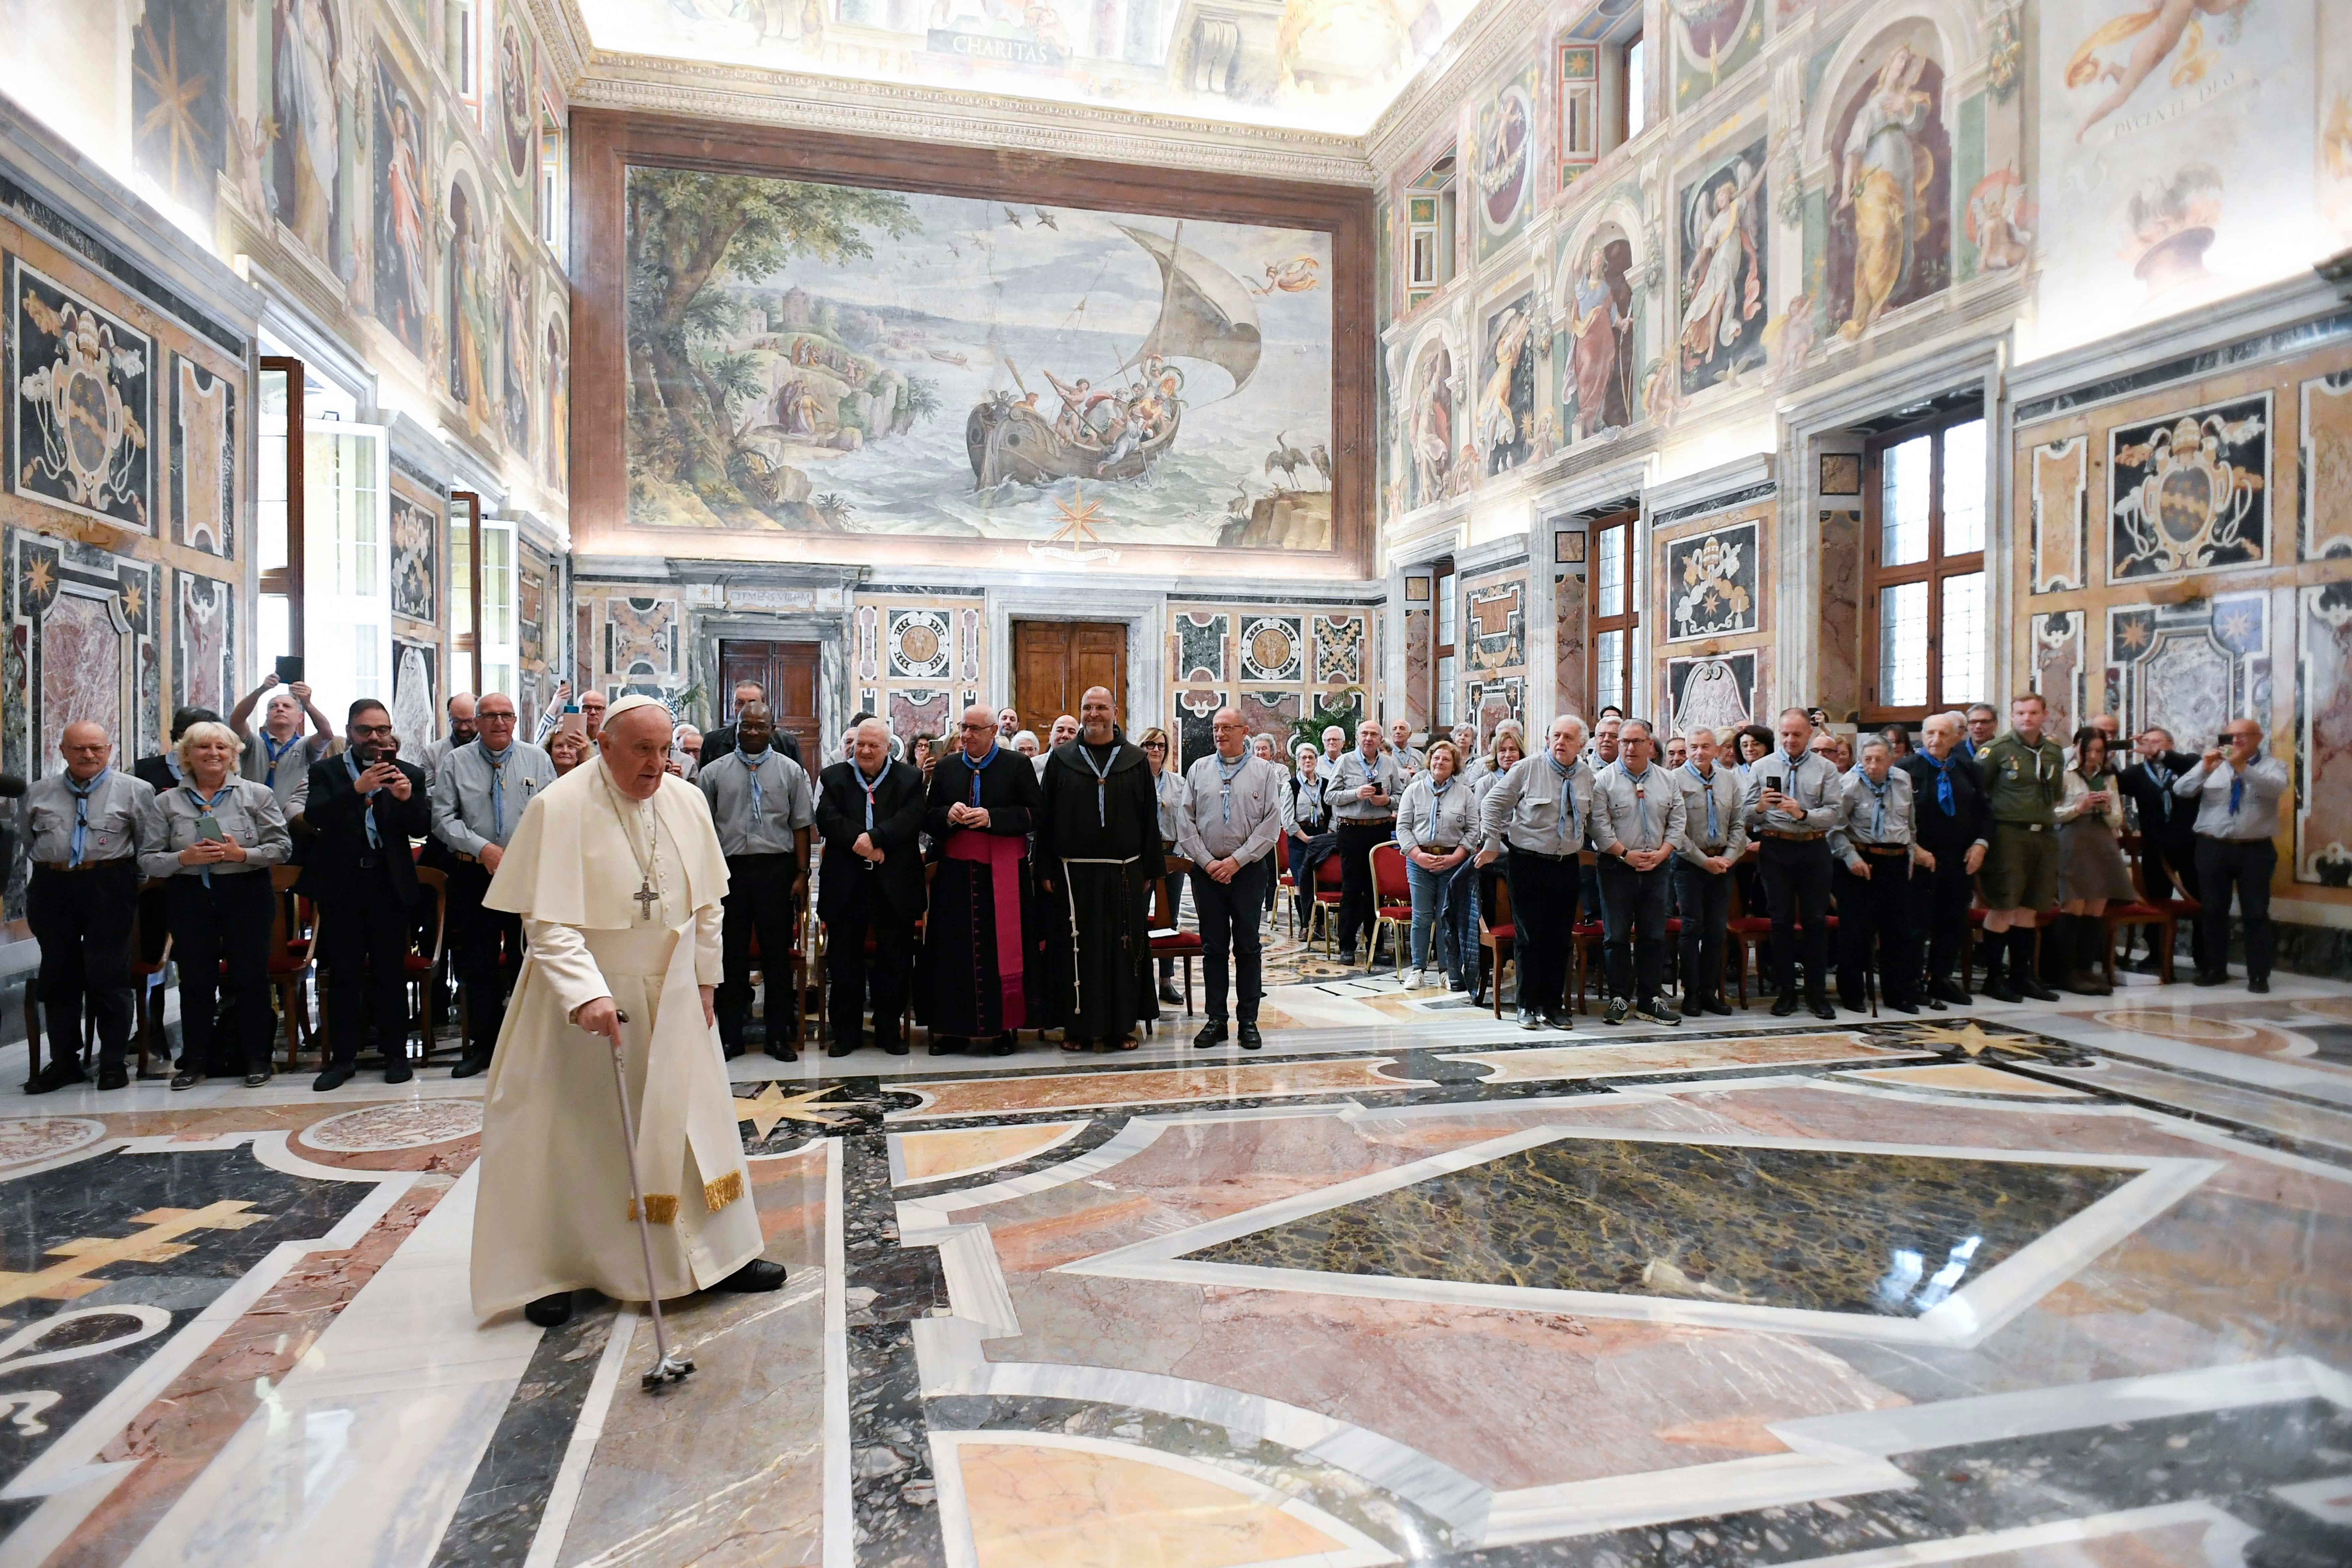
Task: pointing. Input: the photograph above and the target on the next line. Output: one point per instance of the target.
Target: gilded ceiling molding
(910, 112)
(1495, 32)
(563, 33)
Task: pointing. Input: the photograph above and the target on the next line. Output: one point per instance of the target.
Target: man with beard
(1098, 842)
(976, 982)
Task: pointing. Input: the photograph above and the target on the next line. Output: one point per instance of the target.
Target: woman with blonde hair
(1437, 826)
(221, 836)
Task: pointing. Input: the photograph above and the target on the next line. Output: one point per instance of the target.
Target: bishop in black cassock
(981, 980)
(1098, 851)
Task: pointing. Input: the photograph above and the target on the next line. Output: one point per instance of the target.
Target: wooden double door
(786, 671)
(1054, 663)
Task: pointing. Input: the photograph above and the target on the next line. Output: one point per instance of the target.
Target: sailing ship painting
(878, 362)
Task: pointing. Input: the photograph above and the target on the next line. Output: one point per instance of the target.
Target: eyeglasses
(981, 729)
(371, 729)
(496, 719)
(1155, 745)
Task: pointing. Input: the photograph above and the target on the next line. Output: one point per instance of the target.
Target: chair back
(1327, 874)
(150, 954)
(1500, 915)
(1390, 883)
(1282, 853)
(289, 917)
(437, 884)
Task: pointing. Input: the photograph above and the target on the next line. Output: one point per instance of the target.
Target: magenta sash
(1001, 853)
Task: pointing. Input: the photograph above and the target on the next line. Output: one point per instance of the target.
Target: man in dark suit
(716, 743)
(869, 811)
(162, 771)
(364, 806)
(1952, 822)
(2167, 825)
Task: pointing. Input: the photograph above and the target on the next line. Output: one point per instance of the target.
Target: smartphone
(289, 667)
(1772, 783)
(574, 724)
(208, 827)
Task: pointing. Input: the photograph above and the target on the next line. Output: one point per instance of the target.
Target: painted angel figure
(1884, 174)
(1725, 283)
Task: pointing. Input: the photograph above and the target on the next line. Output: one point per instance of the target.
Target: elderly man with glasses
(478, 794)
(2237, 791)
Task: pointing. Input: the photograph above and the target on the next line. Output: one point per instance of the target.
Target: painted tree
(693, 236)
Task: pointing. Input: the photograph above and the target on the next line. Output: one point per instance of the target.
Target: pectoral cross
(646, 898)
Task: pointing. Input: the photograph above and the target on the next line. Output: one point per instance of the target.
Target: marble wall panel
(204, 643)
(643, 638)
(417, 532)
(1714, 691)
(2326, 443)
(922, 710)
(2189, 668)
(921, 643)
(1419, 640)
(1273, 649)
(2190, 491)
(1569, 664)
(2058, 670)
(81, 643)
(2060, 498)
(1200, 645)
(1339, 641)
(1838, 652)
(1494, 627)
(2323, 747)
(1710, 584)
(204, 458)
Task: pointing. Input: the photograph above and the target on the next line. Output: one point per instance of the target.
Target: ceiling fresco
(1328, 66)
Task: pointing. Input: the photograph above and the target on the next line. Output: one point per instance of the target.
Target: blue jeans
(1449, 901)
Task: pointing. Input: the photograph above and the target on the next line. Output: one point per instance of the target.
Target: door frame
(1145, 615)
(830, 630)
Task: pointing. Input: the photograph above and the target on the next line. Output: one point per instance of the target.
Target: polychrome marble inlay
(1819, 1230)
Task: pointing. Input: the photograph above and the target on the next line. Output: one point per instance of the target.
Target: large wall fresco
(333, 143)
(832, 360)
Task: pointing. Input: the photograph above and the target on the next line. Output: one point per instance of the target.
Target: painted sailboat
(1206, 316)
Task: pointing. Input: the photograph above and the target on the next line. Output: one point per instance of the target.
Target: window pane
(1611, 576)
(1903, 503)
(270, 490)
(1609, 671)
(1446, 611)
(1964, 477)
(1962, 644)
(1903, 645)
(1444, 703)
(1637, 101)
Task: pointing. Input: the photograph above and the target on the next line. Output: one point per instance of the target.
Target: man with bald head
(1226, 823)
(977, 983)
(1098, 842)
(84, 827)
(869, 812)
(763, 806)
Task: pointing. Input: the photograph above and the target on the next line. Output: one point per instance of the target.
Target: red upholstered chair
(1284, 883)
(424, 960)
(292, 945)
(1326, 909)
(2160, 920)
(1392, 903)
(1584, 962)
(1744, 934)
(1498, 940)
(1169, 942)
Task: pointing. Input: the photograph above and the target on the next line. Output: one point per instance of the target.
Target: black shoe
(1947, 990)
(2257, 983)
(894, 1048)
(1530, 1019)
(112, 1075)
(1785, 1004)
(1617, 1012)
(843, 1047)
(730, 1049)
(949, 1046)
(1170, 994)
(1558, 1018)
(1249, 1038)
(1347, 957)
(470, 1064)
(398, 1071)
(1719, 1006)
(1902, 1005)
(1846, 1000)
(54, 1076)
(757, 1275)
(1005, 1044)
(1822, 1009)
(252, 1079)
(2220, 977)
(1928, 1000)
(1212, 1032)
(186, 1078)
(784, 1051)
(550, 1312)
(2036, 989)
(1655, 1012)
(1999, 988)
(335, 1077)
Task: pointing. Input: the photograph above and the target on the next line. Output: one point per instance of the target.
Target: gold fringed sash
(661, 1208)
(718, 1195)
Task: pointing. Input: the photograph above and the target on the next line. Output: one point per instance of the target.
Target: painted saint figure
(310, 122)
(1501, 431)
(1723, 287)
(1597, 327)
(1883, 175)
(1432, 426)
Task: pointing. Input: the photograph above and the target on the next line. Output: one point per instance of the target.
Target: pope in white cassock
(617, 875)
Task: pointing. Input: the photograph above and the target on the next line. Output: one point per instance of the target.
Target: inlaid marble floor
(2026, 1288)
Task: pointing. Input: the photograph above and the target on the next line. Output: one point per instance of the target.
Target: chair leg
(1188, 986)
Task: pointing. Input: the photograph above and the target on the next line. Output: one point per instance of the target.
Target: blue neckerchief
(367, 807)
(751, 761)
(1641, 782)
(1225, 776)
(868, 785)
(498, 760)
(1878, 813)
(205, 876)
(2237, 790)
(1707, 788)
(1102, 780)
(1943, 767)
(81, 793)
(1571, 830)
(171, 762)
(978, 768)
(1796, 769)
(274, 751)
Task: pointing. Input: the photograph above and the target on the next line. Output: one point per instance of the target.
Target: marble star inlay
(773, 1105)
(1974, 1040)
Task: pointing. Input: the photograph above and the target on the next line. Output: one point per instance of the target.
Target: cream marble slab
(1964, 1077)
(1040, 1499)
(1623, 1060)
(1695, 1491)
(2171, 1535)
(1968, 1316)
(364, 1451)
(2295, 1119)
(945, 1098)
(943, 1156)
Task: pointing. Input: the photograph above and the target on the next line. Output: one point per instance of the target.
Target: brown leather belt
(1883, 848)
(85, 866)
(1789, 836)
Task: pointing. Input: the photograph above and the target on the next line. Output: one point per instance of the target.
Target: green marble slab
(1818, 1229)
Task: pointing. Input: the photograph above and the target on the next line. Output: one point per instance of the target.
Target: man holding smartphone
(2237, 791)
(364, 808)
(1792, 801)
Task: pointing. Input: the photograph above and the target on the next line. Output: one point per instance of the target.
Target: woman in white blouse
(221, 836)
(2092, 871)
(1437, 826)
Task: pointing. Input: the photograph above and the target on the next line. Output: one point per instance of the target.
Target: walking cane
(667, 1368)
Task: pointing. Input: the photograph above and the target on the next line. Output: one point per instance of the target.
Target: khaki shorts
(2021, 868)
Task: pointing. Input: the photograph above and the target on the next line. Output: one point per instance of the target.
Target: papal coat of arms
(83, 398)
(2189, 491)
(1714, 583)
